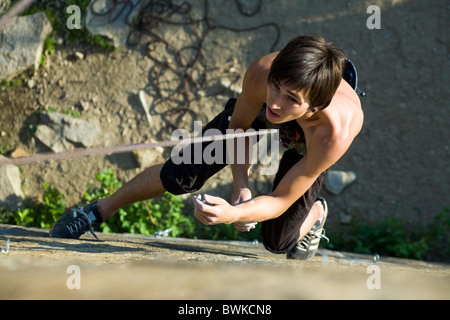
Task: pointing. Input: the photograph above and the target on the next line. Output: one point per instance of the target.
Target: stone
(113, 23)
(227, 84)
(22, 44)
(60, 132)
(145, 158)
(345, 218)
(11, 194)
(79, 55)
(31, 83)
(249, 7)
(144, 105)
(84, 105)
(51, 138)
(337, 181)
(81, 131)
(19, 152)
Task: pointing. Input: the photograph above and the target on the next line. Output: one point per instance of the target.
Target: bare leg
(145, 186)
(316, 213)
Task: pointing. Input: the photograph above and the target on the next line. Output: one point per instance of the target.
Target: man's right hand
(242, 195)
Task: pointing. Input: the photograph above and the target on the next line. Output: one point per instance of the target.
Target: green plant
(67, 111)
(43, 214)
(392, 237)
(4, 149)
(145, 217)
(14, 83)
(49, 49)
(4, 6)
(53, 207)
(25, 217)
(438, 235)
(389, 237)
(82, 35)
(57, 14)
(6, 216)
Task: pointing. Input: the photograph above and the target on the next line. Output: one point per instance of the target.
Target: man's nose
(275, 103)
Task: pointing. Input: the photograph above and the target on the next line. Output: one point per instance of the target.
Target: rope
(14, 11)
(156, 12)
(151, 15)
(48, 157)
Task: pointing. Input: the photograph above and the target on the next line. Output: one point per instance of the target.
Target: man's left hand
(214, 210)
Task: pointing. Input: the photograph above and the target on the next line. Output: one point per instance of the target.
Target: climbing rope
(156, 12)
(151, 15)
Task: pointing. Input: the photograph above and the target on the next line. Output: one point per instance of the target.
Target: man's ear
(315, 109)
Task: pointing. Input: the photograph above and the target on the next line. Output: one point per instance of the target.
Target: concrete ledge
(123, 266)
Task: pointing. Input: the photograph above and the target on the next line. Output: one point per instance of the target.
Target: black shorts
(280, 234)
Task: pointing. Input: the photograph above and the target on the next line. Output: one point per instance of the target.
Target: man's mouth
(271, 113)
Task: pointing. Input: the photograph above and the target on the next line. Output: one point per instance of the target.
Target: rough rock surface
(22, 44)
(337, 181)
(98, 22)
(11, 194)
(142, 267)
(59, 132)
(400, 158)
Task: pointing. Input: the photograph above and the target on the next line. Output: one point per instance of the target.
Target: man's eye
(275, 84)
(293, 99)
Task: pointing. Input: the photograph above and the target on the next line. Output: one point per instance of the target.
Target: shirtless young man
(302, 91)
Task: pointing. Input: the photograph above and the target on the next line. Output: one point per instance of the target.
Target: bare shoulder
(349, 110)
(253, 95)
(255, 80)
(263, 63)
(341, 122)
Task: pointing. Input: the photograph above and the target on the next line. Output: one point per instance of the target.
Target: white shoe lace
(80, 224)
(304, 243)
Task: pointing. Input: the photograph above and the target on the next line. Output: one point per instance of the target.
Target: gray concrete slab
(123, 266)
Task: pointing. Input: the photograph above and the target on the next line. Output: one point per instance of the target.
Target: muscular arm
(326, 145)
(326, 142)
(295, 183)
(248, 105)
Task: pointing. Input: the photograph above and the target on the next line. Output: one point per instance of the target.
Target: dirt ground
(400, 157)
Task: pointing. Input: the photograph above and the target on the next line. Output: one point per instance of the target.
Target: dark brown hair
(310, 63)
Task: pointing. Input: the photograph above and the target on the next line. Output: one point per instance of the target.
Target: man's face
(285, 104)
